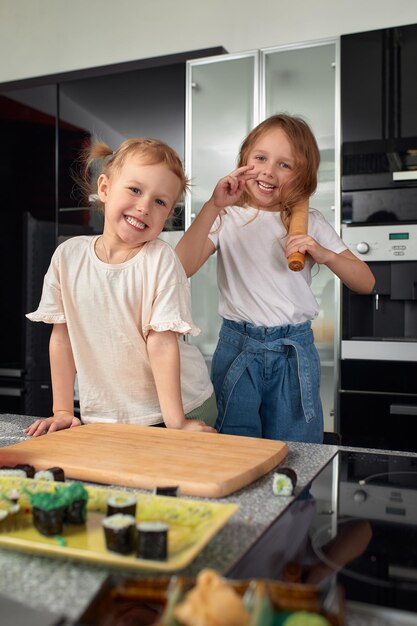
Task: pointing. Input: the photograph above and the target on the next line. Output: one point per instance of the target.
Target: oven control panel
(382, 243)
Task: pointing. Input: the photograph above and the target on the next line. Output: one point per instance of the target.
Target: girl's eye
(160, 202)
(135, 190)
(284, 165)
(260, 157)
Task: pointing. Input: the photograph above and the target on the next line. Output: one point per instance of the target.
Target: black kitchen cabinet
(28, 217)
(379, 104)
(378, 404)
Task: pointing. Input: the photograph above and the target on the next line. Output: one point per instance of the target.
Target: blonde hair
(151, 151)
(303, 183)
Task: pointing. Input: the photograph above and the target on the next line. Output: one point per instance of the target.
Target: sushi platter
(191, 523)
(205, 465)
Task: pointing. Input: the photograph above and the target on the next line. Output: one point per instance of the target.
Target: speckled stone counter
(66, 586)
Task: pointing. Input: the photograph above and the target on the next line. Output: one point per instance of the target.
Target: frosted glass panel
(222, 113)
(301, 81)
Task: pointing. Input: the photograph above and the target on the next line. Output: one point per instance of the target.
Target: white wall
(40, 37)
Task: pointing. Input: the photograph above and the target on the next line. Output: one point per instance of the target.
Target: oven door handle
(14, 392)
(408, 175)
(403, 409)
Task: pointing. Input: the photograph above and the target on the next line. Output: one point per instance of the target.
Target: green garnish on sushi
(284, 481)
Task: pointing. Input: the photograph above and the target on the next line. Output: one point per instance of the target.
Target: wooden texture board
(202, 464)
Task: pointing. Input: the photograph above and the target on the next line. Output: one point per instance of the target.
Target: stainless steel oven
(377, 399)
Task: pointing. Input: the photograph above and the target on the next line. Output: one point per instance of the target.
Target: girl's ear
(103, 187)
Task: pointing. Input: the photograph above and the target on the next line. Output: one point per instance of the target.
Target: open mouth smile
(135, 223)
(265, 187)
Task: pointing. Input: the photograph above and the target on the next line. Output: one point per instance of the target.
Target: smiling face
(274, 163)
(138, 199)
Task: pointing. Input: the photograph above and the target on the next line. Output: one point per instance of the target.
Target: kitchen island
(66, 587)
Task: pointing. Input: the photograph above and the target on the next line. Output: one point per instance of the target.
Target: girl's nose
(143, 206)
(266, 170)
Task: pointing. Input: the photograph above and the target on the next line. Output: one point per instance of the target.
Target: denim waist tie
(298, 337)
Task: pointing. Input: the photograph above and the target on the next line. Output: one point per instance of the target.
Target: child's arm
(164, 357)
(195, 247)
(63, 377)
(353, 272)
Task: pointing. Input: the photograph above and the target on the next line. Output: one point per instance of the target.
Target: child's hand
(51, 424)
(229, 189)
(307, 245)
(197, 425)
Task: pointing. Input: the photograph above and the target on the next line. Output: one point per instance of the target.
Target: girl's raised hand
(229, 189)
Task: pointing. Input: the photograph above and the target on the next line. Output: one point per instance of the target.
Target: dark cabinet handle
(408, 175)
(11, 391)
(402, 409)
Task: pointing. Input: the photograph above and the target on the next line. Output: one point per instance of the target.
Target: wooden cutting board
(202, 464)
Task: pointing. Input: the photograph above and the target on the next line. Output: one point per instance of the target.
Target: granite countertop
(66, 587)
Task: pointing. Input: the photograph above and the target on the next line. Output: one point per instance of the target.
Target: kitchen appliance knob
(362, 247)
(360, 496)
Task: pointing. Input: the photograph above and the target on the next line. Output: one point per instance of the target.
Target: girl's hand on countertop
(197, 425)
(51, 424)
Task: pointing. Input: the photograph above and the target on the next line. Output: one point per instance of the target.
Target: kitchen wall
(41, 37)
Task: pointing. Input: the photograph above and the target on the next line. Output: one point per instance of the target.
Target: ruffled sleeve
(50, 309)
(170, 308)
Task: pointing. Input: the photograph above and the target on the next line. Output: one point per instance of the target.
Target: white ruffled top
(109, 310)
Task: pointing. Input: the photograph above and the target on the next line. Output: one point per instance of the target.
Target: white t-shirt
(254, 280)
(109, 310)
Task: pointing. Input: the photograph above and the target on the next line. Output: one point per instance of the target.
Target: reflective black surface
(356, 525)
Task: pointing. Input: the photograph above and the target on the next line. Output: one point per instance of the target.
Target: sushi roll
(12, 471)
(119, 533)
(29, 469)
(174, 492)
(48, 511)
(284, 481)
(76, 498)
(20, 471)
(152, 541)
(122, 503)
(53, 473)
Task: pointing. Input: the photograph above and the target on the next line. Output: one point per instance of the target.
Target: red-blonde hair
(303, 183)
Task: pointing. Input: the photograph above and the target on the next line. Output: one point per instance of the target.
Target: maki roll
(53, 473)
(119, 533)
(48, 511)
(152, 541)
(122, 503)
(284, 481)
(12, 471)
(76, 498)
(28, 469)
(21, 470)
(174, 492)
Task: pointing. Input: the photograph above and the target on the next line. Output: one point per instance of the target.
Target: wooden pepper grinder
(298, 226)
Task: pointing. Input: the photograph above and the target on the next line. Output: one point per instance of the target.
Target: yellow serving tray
(192, 524)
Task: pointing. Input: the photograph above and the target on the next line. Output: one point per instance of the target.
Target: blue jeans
(267, 382)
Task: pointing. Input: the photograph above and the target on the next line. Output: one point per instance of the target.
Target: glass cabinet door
(222, 107)
(302, 81)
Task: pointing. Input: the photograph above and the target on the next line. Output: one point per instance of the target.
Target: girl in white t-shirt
(120, 302)
(266, 369)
